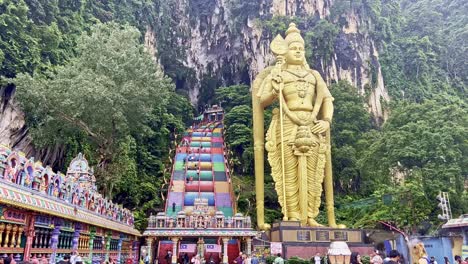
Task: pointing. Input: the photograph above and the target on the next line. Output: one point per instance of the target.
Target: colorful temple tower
(200, 216)
(46, 214)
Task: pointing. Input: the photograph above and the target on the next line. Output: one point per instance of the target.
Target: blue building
(458, 229)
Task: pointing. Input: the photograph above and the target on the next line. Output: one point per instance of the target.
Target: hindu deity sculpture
(298, 139)
(27, 178)
(419, 253)
(43, 187)
(56, 190)
(11, 170)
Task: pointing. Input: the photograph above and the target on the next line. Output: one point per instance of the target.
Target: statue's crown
(293, 34)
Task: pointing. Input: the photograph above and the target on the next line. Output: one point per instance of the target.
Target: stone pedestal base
(305, 242)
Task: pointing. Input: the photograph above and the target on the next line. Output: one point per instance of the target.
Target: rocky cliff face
(14, 132)
(204, 44)
(224, 41)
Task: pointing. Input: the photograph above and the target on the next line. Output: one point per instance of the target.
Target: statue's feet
(312, 223)
(340, 226)
(265, 227)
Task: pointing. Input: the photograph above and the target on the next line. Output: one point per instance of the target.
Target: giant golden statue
(298, 139)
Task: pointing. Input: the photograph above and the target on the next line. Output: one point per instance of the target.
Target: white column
(175, 247)
(149, 245)
(225, 250)
(249, 246)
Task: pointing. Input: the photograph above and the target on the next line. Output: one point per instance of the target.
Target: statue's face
(295, 54)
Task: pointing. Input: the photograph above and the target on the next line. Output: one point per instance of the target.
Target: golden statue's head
(296, 51)
(418, 250)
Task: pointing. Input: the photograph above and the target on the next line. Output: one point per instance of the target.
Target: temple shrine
(46, 214)
(200, 216)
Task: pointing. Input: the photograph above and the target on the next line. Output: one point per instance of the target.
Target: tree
(236, 101)
(422, 148)
(18, 49)
(350, 124)
(109, 91)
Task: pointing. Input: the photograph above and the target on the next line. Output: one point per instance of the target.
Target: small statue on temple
(56, 190)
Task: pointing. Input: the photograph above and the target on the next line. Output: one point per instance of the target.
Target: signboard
(276, 247)
(190, 248)
(303, 235)
(213, 248)
(322, 236)
(341, 235)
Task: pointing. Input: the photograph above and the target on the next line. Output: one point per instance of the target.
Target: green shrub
(270, 259)
(365, 259)
(297, 260)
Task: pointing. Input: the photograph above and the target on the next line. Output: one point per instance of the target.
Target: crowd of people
(394, 257)
(247, 259)
(73, 258)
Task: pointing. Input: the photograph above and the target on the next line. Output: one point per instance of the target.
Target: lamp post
(339, 252)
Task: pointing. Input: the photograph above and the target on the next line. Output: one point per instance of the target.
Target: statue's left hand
(320, 127)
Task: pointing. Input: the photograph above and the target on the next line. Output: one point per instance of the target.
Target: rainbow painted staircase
(199, 216)
(200, 171)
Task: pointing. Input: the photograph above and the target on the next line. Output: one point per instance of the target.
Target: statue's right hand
(277, 79)
(276, 83)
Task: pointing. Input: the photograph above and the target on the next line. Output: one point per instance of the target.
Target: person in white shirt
(376, 258)
(73, 257)
(317, 259)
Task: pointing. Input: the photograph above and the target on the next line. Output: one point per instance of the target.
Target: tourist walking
(433, 261)
(168, 257)
(73, 257)
(248, 259)
(65, 260)
(255, 260)
(355, 258)
(197, 259)
(458, 260)
(278, 259)
(239, 259)
(186, 258)
(376, 258)
(211, 260)
(394, 257)
(317, 259)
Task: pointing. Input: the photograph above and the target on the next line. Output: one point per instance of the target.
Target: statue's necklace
(301, 84)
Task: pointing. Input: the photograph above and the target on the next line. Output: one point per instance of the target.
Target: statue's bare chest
(300, 84)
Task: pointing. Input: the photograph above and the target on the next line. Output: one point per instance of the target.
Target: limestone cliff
(204, 44)
(223, 42)
(14, 132)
